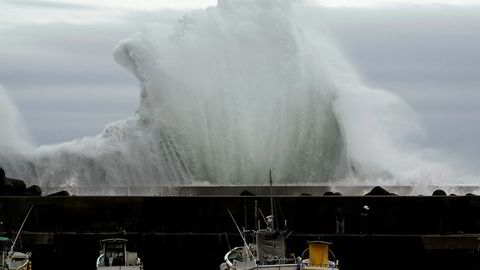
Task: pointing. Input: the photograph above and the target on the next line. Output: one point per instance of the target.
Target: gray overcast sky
(56, 63)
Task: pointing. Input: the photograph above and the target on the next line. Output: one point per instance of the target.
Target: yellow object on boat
(318, 251)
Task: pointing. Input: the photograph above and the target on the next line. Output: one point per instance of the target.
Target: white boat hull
(284, 267)
(278, 267)
(119, 267)
(18, 261)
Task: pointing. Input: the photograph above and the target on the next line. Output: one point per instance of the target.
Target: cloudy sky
(56, 63)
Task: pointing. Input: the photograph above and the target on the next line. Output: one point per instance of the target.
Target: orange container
(318, 251)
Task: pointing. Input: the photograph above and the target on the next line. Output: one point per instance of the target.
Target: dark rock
(6, 187)
(33, 191)
(378, 191)
(19, 186)
(246, 193)
(10, 186)
(439, 192)
(62, 193)
(328, 193)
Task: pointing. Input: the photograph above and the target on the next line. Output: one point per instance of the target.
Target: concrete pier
(183, 232)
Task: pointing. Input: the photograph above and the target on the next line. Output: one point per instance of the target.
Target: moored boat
(268, 250)
(13, 260)
(269, 253)
(114, 255)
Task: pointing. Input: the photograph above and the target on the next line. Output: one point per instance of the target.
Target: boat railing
(227, 259)
(100, 260)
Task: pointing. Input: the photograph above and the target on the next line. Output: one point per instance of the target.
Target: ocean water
(228, 93)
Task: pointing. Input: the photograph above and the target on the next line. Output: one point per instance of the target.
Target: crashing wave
(227, 94)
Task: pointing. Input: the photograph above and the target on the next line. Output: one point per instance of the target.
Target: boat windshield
(114, 254)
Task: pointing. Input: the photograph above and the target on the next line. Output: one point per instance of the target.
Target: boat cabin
(114, 254)
(270, 247)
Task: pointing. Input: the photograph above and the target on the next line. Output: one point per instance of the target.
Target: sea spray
(229, 93)
(13, 134)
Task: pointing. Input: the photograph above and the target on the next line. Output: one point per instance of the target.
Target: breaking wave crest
(226, 94)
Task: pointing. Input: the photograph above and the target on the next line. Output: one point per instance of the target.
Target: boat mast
(249, 252)
(19, 231)
(271, 201)
(257, 221)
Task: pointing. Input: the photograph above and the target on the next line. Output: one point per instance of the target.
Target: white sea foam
(228, 93)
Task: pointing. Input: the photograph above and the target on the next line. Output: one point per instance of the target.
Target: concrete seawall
(181, 232)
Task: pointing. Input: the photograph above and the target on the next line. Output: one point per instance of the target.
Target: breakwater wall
(184, 232)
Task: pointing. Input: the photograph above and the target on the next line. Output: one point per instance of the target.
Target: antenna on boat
(245, 229)
(271, 193)
(263, 216)
(241, 235)
(271, 217)
(257, 221)
(19, 231)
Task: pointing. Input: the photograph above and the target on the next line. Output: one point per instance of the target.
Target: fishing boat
(11, 259)
(114, 255)
(268, 250)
